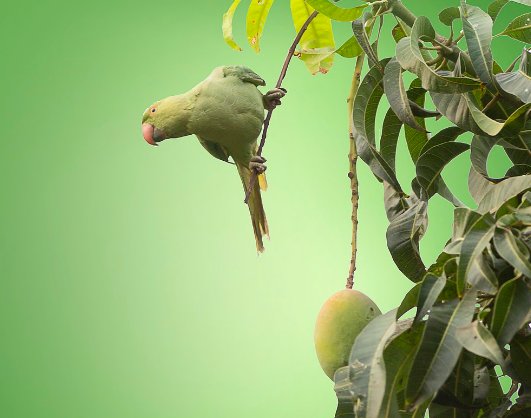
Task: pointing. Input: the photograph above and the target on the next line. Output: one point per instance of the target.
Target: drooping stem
(353, 174)
(272, 106)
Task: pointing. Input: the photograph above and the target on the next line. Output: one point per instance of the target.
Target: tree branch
(272, 106)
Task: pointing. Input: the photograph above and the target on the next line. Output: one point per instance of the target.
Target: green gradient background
(130, 285)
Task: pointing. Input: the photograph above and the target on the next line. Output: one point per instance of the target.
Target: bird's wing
(215, 149)
(244, 74)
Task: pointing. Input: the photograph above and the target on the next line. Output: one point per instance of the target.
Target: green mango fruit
(338, 323)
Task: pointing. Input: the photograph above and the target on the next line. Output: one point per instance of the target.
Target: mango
(338, 323)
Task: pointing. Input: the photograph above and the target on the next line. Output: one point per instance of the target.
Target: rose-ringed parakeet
(226, 113)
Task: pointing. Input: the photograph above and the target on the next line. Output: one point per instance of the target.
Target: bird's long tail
(256, 208)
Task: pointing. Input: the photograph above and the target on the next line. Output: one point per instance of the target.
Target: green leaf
(403, 236)
(518, 83)
(256, 18)
(409, 301)
(359, 27)
(350, 49)
(448, 15)
(502, 192)
(512, 310)
(227, 26)
(398, 358)
(507, 246)
(345, 407)
(518, 170)
(519, 28)
(521, 413)
(476, 240)
(464, 220)
(416, 139)
(478, 340)
(390, 132)
(477, 185)
(521, 357)
(455, 109)
(397, 96)
(430, 289)
(439, 349)
(481, 276)
(461, 382)
(398, 32)
(318, 38)
(477, 27)
(336, 13)
(410, 58)
(433, 161)
(495, 8)
(480, 148)
(367, 368)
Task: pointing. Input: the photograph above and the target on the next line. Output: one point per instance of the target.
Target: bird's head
(167, 118)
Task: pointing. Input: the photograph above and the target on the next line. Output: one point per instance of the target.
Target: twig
(272, 106)
(352, 174)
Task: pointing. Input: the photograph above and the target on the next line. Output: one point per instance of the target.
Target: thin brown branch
(272, 106)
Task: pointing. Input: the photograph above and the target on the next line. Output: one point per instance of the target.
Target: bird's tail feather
(256, 208)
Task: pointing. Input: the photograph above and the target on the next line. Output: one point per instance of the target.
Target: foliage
(473, 305)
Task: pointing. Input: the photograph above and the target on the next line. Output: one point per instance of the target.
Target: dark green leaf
(507, 246)
(473, 245)
(336, 13)
(367, 368)
(519, 28)
(522, 413)
(416, 139)
(448, 15)
(455, 109)
(396, 94)
(396, 203)
(430, 289)
(477, 27)
(478, 340)
(351, 48)
(518, 170)
(445, 192)
(502, 192)
(409, 301)
(403, 236)
(478, 185)
(512, 310)
(359, 28)
(518, 83)
(390, 132)
(439, 349)
(398, 357)
(433, 161)
(480, 148)
(398, 32)
(481, 276)
(464, 220)
(521, 357)
(495, 7)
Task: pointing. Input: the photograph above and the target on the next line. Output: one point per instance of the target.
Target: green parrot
(226, 113)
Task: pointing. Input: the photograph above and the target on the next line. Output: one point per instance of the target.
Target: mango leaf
(398, 32)
(336, 13)
(518, 83)
(397, 96)
(403, 236)
(409, 301)
(502, 192)
(396, 203)
(256, 18)
(433, 161)
(227, 26)
(318, 35)
(390, 132)
(519, 413)
(478, 185)
(480, 148)
(478, 340)
(521, 356)
(461, 382)
(448, 15)
(416, 139)
(439, 350)
(410, 57)
(345, 407)
(526, 2)
(495, 8)
(367, 368)
(359, 27)
(519, 28)
(430, 289)
(455, 108)
(507, 246)
(476, 240)
(398, 358)
(350, 49)
(477, 27)
(512, 310)
(481, 276)
(464, 220)
(518, 170)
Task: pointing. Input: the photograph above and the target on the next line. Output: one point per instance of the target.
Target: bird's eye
(153, 110)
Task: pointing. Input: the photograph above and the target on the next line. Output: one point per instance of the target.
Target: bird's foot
(272, 97)
(257, 164)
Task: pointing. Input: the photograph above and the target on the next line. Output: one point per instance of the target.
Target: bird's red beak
(147, 131)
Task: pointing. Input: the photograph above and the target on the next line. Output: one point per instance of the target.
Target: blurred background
(130, 284)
